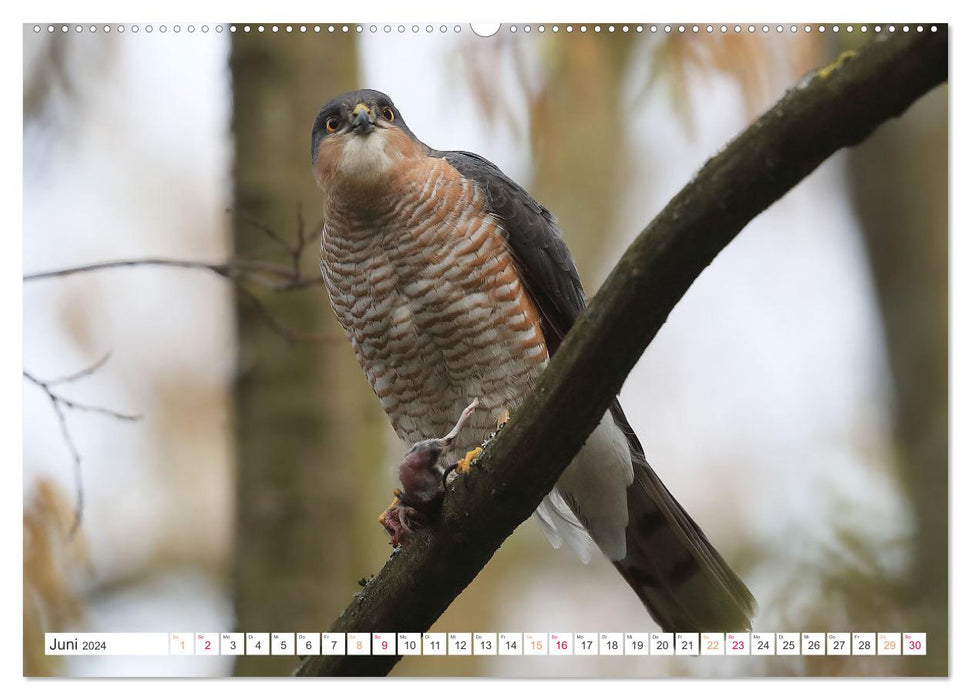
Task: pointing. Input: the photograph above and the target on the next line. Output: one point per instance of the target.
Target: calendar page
(527, 349)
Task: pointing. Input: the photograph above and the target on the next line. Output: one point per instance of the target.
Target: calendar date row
(490, 644)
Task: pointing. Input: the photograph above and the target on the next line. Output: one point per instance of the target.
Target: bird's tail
(673, 568)
(684, 583)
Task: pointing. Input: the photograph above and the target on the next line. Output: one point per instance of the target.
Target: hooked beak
(361, 120)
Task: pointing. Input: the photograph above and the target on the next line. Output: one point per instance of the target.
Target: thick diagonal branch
(836, 107)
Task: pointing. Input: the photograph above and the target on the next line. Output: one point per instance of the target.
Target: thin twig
(76, 461)
(87, 408)
(231, 269)
(245, 274)
(59, 403)
(266, 230)
(290, 335)
(86, 372)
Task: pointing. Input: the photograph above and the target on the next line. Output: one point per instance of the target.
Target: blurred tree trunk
(900, 189)
(307, 432)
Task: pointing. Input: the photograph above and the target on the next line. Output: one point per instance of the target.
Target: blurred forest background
(795, 402)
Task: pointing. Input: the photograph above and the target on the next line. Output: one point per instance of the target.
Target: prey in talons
(423, 482)
(465, 463)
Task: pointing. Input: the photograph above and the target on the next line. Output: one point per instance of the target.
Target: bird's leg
(463, 464)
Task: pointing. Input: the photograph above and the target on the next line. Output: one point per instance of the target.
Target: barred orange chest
(421, 280)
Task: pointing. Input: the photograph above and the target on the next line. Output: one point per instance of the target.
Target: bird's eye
(332, 124)
(388, 114)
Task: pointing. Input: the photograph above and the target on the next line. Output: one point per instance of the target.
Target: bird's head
(358, 137)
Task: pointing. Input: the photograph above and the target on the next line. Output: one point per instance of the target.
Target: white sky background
(759, 403)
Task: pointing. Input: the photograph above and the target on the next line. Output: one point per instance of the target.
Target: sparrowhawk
(452, 283)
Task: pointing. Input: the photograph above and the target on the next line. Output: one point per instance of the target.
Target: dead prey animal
(422, 478)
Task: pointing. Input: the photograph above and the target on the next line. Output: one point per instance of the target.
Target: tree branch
(836, 107)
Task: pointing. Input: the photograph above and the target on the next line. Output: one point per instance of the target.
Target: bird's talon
(448, 470)
(502, 419)
(463, 464)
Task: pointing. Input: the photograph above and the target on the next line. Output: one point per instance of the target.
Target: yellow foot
(464, 463)
(503, 418)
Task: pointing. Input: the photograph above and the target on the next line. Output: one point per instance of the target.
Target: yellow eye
(388, 114)
(332, 125)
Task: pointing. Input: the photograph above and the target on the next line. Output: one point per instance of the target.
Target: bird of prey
(452, 283)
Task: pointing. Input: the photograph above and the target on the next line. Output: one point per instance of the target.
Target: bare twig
(245, 274)
(290, 335)
(232, 269)
(265, 230)
(86, 372)
(59, 403)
